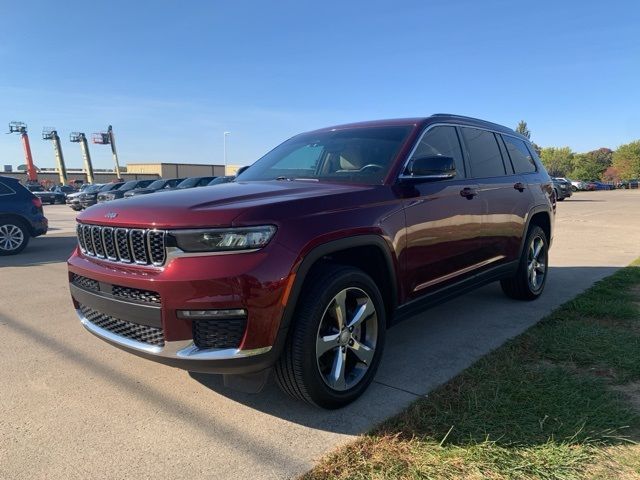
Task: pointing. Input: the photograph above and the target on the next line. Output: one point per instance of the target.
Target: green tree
(626, 159)
(523, 129)
(592, 165)
(557, 161)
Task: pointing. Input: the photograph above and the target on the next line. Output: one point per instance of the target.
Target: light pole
(224, 146)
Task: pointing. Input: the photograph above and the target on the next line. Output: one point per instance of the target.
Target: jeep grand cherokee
(302, 263)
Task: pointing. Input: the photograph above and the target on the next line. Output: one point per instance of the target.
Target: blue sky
(173, 76)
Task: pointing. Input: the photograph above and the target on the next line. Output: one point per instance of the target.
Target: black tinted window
(4, 190)
(441, 141)
(520, 156)
(484, 153)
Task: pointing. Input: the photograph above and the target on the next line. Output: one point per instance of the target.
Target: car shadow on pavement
(424, 352)
(42, 250)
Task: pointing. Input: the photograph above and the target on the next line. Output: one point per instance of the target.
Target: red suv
(302, 263)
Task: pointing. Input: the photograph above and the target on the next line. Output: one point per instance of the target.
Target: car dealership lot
(72, 406)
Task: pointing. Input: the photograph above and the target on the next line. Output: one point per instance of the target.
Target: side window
(441, 141)
(4, 190)
(484, 153)
(520, 156)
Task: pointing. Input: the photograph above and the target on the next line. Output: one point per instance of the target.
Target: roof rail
(463, 117)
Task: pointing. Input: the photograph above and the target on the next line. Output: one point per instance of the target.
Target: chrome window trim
(12, 191)
(401, 176)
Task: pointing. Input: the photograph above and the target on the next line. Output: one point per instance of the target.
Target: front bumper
(255, 282)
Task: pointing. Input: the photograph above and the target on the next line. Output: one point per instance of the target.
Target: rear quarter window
(5, 190)
(520, 156)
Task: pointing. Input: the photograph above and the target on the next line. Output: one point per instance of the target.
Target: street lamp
(224, 146)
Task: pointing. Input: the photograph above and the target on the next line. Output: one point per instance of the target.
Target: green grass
(543, 406)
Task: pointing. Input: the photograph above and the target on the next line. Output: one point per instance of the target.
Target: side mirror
(432, 167)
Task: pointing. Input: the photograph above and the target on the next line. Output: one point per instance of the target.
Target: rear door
(505, 195)
(443, 224)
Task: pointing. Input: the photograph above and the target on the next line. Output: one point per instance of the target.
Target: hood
(212, 206)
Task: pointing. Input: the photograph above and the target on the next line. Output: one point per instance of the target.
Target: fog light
(212, 314)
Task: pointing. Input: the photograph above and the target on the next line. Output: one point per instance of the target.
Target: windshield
(355, 155)
(188, 182)
(110, 186)
(93, 188)
(219, 180)
(156, 184)
(129, 185)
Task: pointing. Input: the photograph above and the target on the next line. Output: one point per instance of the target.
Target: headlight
(221, 239)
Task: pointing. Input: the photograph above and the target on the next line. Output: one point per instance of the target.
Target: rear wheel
(335, 345)
(13, 237)
(531, 277)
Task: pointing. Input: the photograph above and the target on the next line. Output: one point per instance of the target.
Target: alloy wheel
(536, 263)
(11, 237)
(346, 339)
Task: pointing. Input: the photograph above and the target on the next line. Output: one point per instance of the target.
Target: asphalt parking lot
(72, 406)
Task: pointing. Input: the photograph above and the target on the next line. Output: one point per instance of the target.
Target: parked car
(597, 185)
(90, 196)
(302, 263)
(64, 189)
(73, 199)
(561, 188)
(120, 192)
(155, 186)
(21, 216)
(221, 180)
(193, 182)
(577, 185)
(627, 184)
(44, 195)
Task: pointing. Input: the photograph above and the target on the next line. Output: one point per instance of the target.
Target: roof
(423, 121)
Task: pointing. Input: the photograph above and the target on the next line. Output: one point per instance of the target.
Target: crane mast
(107, 138)
(52, 134)
(79, 137)
(21, 128)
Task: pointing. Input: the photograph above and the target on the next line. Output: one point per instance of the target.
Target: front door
(443, 219)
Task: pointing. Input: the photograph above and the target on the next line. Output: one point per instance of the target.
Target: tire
(14, 237)
(303, 371)
(574, 189)
(526, 284)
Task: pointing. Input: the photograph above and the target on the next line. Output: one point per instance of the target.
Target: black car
(120, 192)
(193, 182)
(561, 188)
(220, 180)
(21, 216)
(90, 196)
(46, 196)
(154, 187)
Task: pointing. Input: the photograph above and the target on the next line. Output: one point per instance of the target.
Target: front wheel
(531, 276)
(335, 345)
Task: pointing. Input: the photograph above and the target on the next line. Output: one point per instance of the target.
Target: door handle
(469, 193)
(519, 186)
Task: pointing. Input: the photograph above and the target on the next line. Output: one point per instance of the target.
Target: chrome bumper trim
(181, 350)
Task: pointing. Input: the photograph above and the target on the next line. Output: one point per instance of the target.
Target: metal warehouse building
(176, 170)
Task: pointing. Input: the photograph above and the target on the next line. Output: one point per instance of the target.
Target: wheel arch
(541, 217)
(370, 253)
(19, 219)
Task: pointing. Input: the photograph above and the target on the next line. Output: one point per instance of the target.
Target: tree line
(604, 164)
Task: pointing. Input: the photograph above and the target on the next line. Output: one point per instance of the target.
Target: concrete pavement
(72, 406)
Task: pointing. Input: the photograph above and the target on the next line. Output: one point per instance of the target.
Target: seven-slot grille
(139, 246)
